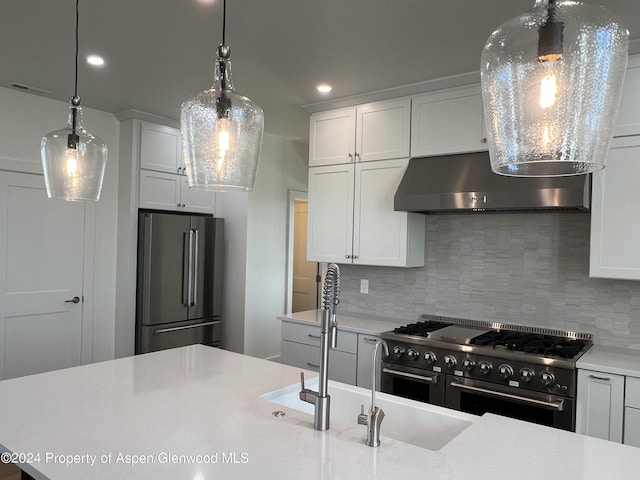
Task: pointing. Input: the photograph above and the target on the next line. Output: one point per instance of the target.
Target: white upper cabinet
(615, 223)
(351, 216)
(374, 131)
(160, 148)
(448, 122)
(628, 119)
(332, 137)
(166, 191)
(382, 130)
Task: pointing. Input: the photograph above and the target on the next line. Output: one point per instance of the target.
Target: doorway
(302, 275)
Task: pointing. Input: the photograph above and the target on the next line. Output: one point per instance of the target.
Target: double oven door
(478, 397)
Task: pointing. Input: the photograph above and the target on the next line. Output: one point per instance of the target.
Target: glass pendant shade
(74, 161)
(551, 84)
(221, 134)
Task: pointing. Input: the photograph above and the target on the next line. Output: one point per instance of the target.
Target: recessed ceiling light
(95, 60)
(324, 88)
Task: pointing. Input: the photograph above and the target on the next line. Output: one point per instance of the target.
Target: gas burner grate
(534, 343)
(420, 329)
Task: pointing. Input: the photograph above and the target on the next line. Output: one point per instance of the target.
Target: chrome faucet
(374, 418)
(328, 338)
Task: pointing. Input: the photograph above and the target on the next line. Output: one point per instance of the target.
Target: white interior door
(41, 259)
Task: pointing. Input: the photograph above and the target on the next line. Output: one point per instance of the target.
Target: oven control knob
(450, 361)
(547, 378)
(468, 364)
(398, 351)
(412, 354)
(505, 371)
(430, 358)
(526, 374)
(485, 367)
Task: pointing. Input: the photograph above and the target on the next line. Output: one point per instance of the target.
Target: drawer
(310, 335)
(632, 392)
(342, 365)
(632, 426)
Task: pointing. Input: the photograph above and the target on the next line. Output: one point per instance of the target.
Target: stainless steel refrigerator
(179, 286)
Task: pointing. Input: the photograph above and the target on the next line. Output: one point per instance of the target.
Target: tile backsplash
(529, 269)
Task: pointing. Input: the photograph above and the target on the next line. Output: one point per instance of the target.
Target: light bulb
(72, 162)
(223, 143)
(548, 90)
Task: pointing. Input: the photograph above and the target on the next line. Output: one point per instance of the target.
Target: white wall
(256, 233)
(24, 120)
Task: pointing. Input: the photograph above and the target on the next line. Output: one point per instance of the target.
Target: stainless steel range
(478, 367)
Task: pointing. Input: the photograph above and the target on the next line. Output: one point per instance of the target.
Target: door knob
(73, 300)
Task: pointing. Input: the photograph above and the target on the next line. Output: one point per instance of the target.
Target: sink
(420, 424)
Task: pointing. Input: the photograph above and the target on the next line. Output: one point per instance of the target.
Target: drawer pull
(370, 340)
(604, 379)
(313, 365)
(317, 337)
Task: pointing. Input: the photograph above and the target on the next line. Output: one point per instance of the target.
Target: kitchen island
(196, 413)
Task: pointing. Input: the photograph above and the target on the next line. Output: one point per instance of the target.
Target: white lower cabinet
(366, 344)
(167, 191)
(351, 216)
(300, 348)
(600, 405)
(632, 412)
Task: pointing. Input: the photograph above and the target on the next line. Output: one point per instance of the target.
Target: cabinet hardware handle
(313, 365)
(357, 157)
(604, 379)
(350, 157)
(483, 139)
(370, 340)
(73, 300)
(354, 256)
(314, 336)
(348, 256)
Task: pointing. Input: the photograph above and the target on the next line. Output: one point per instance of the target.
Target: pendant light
(221, 132)
(551, 84)
(72, 158)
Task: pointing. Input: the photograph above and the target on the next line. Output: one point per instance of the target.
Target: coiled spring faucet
(328, 338)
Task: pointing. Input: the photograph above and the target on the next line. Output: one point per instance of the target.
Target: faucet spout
(328, 339)
(374, 418)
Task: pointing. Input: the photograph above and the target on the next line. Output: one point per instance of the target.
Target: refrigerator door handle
(187, 327)
(190, 273)
(195, 270)
(185, 269)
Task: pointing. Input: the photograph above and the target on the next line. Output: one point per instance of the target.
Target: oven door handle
(559, 406)
(413, 376)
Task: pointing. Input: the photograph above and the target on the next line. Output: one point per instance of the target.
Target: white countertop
(203, 401)
(611, 360)
(350, 322)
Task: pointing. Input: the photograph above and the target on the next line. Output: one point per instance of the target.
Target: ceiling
(160, 52)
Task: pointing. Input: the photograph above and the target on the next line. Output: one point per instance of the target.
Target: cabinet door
(447, 122)
(632, 426)
(332, 137)
(160, 148)
(383, 129)
(194, 200)
(366, 345)
(628, 119)
(600, 405)
(615, 224)
(382, 236)
(159, 191)
(330, 227)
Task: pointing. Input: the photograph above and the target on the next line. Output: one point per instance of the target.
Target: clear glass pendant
(221, 134)
(73, 160)
(551, 84)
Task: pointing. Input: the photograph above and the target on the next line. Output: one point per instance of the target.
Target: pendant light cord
(224, 21)
(75, 90)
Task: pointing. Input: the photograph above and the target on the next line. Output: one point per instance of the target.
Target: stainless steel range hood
(465, 183)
